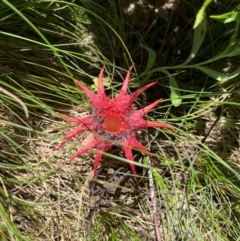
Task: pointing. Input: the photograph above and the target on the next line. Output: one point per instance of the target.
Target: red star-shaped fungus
(112, 122)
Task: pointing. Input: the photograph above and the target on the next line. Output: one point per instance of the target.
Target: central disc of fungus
(112, 123)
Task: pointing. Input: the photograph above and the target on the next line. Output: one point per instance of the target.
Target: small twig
(17, 100)
(154, 205)
(153, 199)
(204, 139)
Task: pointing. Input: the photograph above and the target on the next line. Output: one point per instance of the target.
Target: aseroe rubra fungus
(112, 122)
